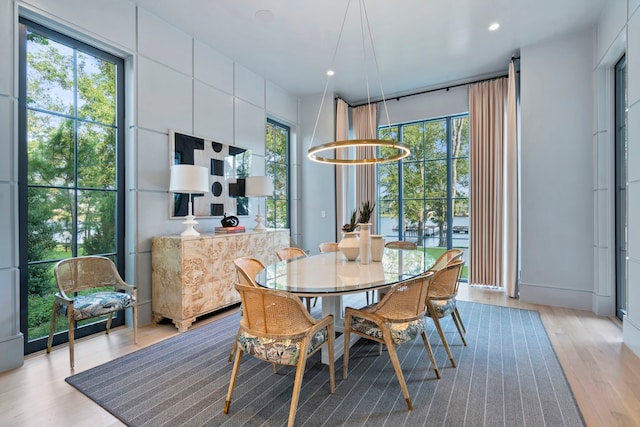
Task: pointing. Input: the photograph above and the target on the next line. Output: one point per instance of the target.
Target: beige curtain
(365, 121)
(487, 133)
(342, 176)
(511, 190)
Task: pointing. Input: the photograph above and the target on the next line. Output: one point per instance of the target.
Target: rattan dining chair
(445, 259)
(289, 253)
(276, 328)
(441, 300)
(397, 319)
(401, 244)
(328, 247)
(90, 287)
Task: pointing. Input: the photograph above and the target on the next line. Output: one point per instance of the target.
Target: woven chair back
(288, 253)
(446, 258)
(271, 312)
(247, 268)
(406, 300)
(444, 283)
(82, 273)
(401, 244)
(328, 247)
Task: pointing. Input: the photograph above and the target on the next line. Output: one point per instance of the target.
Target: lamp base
(190, 222)
(259, 226)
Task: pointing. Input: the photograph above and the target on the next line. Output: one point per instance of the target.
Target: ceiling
(419, 44)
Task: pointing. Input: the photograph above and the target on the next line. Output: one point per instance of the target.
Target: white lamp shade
(258, 186)
(189, 179)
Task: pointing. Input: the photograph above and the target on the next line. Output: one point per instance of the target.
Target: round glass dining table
(330, 276)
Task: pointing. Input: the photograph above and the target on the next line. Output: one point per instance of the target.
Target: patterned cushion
(400, 332)
(443, 307)
(284, 352)
(94, 305)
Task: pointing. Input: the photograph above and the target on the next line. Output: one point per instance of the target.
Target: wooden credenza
(193, 276)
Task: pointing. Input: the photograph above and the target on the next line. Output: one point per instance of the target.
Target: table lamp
(258, 186)
(189, 179)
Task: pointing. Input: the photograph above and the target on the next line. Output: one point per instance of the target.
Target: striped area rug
(508, 375)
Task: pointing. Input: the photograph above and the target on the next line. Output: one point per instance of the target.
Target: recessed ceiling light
(264, 15)
(494, 26)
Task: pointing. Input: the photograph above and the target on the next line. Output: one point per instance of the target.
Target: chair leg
(232, 381)
(460, 327)
(71, 334)
(297, 385)
(52, 327)
(436, 321)
(347, 338)
(135, 324)
(455, 310)
(396, 366)
(427, 345)
(109, 322)
(332, 371)
(308, 301)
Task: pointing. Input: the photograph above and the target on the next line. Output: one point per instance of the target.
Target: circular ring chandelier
(401, 151)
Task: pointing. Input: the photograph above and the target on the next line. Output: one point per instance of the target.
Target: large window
(71, 175)
(277, 154)
(425, 197)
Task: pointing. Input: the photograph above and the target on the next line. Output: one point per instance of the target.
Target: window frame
(274, 199)
(118, 254)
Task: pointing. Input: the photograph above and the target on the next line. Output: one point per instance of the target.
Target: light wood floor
(604, 374)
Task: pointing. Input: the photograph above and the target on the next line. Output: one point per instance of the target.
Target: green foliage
(353, 222)
(365, 212)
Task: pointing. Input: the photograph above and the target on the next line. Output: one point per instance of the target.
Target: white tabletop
(332, 274)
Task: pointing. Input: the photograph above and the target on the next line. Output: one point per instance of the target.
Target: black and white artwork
(228, 165)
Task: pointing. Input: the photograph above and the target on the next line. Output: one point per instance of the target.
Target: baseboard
(558, 297)
(12, 351)
(631, 335)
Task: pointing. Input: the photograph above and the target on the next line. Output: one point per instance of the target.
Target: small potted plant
(353, 223)
(366, 210)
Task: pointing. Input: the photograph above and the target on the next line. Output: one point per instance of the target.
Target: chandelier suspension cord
(375, 60)
(326, 84)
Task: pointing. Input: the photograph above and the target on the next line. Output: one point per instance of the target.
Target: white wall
(557, 172)
(618, 33)
(173, 82)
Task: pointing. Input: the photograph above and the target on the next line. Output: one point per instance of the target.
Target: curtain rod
(397, 98)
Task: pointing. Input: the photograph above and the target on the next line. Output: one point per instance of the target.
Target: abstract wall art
(228, 166)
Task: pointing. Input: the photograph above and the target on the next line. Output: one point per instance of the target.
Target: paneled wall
(173, 82)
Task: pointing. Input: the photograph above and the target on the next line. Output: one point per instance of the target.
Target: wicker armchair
(90, 287)
(276, 328)
(289, 253)
(444, 260)
(328, 247)
(401, 244)
(397, 319)
(441, 300)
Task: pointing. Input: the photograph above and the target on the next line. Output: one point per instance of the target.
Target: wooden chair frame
(280, 316)
(82, 274)
(405, 302)
(444, 287)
